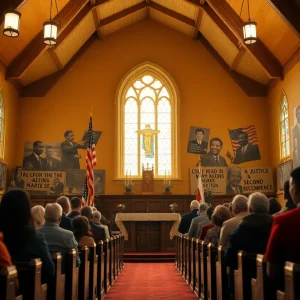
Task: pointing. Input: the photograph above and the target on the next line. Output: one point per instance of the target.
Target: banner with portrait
(213, 179)
(198, 140)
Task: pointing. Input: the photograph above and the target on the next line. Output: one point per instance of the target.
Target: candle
(130, 178)
(126, 178)
(165, 180)
(169, 178)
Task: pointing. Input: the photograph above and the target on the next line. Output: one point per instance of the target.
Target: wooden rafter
(68, 17)
(267, 60)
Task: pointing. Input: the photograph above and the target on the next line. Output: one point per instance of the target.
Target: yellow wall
(290, 86)
(11, 106)
(209, 97)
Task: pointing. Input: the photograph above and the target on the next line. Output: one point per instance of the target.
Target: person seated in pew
(220, 215)
(205, 225)
(253, 232)
(75, 206)
(57, 238)
(187, 218)
(239, 210)
(97, 231)
(97, 220)
(38, 215)
(289, 204)
(274, 206)
(82, 231)
(284, 242)
(65, 222)
(193, 231)
(5, 260)
(23, 242)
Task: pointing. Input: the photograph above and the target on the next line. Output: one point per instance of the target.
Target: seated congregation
(61, 251)
(248, 249)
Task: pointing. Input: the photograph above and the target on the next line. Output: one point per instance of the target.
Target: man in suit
(69, 149)
(198, 146)
(97, 231)
(246, 151)
(76, 207)
(213, 157)
(57, 188)
(296, 139)
(234, 178)
(53, 164)
(65, 222)
(187, 218)
(240, 210)
(194, 228)
(34, 160)
(284, 240)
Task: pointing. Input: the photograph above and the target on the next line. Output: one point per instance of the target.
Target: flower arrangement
(173, 206)
(167, 183)
(121, 206)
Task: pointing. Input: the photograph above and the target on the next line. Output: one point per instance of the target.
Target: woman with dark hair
(82, 231)
(274, 206)
(20, 237)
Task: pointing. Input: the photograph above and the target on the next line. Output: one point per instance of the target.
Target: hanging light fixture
(51, 29)
(249, 28)
(11, 23)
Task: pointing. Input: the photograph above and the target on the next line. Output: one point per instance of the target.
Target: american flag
(200, 190)
(88, 189)
(234, 135)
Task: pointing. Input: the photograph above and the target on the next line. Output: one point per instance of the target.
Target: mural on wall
(296, 138)
(213, 157)
(244, 144)
(234, 180)
(198, 140)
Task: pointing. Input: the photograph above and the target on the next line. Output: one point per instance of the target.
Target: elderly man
(97, 231)
(97, 220)
(196, 222)
(58, 239)
(254, 230)
(285, 236)
(187, 218)
(240, 210)
(66, 222)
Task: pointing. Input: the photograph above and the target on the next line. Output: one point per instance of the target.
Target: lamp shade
(50, 33)
(11, 23)
(249, 31)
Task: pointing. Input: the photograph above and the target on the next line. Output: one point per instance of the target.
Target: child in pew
(82, 231)
(23, 242)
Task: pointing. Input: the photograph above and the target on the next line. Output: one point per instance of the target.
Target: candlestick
(130, 178)
(169, 178)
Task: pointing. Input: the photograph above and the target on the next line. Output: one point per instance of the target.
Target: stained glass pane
(282, 132)
(131, 93)
(147, 79)
(163, 93)
(147, 92)
(156, 84)
(287, 147)
(138, 84)
(287, 129)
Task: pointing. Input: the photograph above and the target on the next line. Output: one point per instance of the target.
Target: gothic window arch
(284, 128)
(147, 99)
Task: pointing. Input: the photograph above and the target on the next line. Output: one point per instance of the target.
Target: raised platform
(149, 257)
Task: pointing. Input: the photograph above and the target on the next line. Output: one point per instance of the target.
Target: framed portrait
(283, 173)
(3, 176)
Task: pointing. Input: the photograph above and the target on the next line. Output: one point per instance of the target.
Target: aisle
(150, 281)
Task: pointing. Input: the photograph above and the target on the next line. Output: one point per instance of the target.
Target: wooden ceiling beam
(198, 22)
(267, 60)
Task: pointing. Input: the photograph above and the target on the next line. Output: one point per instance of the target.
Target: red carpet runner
(150, 281)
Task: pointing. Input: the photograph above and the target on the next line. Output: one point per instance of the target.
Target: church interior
(225, 70)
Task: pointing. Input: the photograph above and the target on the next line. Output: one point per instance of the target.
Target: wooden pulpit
(147, 180)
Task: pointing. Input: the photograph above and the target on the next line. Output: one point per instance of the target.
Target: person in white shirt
(240, 210)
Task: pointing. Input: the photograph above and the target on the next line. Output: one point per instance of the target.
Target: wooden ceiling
(216, 23)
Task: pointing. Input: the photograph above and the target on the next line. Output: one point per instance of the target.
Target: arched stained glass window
(284, 128)
(147, 118)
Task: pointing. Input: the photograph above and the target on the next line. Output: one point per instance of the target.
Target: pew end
(8, 283)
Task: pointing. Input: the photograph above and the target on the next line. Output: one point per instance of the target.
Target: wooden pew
(100, 271)
(184, 257)
(83, 281)
(243, 276)
(117, 249)
(211, 272)
(193, 263)
(291, 282)
(71, 287)
(106, 250)
(93, 262)
(198, 269)
(176, 249)
(180, 253)
(56, 288)
(30, 277)
(111, 261)
(8, 279)
(203, 259)
(121, 251)
(188, 260)
(222, 278)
